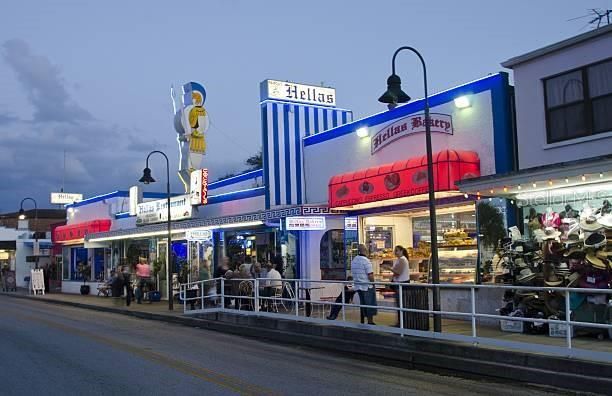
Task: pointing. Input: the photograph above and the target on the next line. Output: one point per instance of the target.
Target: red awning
(77, 231)
(402, 178)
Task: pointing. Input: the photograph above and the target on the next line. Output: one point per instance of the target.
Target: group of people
(362, 276)
(121, 284)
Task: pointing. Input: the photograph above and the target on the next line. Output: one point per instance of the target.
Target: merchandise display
(579, 257)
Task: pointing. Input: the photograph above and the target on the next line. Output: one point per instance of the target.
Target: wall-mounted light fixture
(363, 132)
(462, 102)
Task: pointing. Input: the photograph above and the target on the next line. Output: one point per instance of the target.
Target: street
(50, 350)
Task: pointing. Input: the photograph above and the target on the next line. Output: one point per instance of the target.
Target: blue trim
(287, 164)
(236, 179)
(325, 122)
(502, 125)
(307, 120)
(236, 195)
(265, 153)
(316, 121)
(99, 198)
(298, 155)
(155, 195)
(334, 119)
(122, 215)
(276, 154)
(484, 84)
(344, 120)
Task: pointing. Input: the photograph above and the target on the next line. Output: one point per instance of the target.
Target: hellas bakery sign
(439, 123)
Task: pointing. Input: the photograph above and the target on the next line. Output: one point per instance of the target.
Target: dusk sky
(93, 78)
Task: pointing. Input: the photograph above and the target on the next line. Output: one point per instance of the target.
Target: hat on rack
(595, 240)
(596, 262)
(604, 254)
(590, 224)
(553, 280)
(525, 275)
(550, 233)
(557, 249)
(606, 221)
(572, 239)
(572, 251)
(573, 279)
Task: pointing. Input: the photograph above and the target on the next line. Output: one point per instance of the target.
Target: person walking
(401, 274)
(127, 281)
(363, 276)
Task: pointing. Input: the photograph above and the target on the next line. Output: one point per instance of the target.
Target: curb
(435, 356)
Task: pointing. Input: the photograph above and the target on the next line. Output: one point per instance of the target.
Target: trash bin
(416, 297)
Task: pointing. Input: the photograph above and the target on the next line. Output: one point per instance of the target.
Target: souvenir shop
(564, 240)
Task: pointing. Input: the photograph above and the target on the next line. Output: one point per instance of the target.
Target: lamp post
(392, 96)
(147, 179)
(22, 216)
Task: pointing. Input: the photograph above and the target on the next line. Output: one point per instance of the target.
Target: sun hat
(572, 251)
(606, 221)
(553, 280)
(573, 279)
(595, 240)
(596, 262)
(550, 233)
(590, 224)
(525, 275)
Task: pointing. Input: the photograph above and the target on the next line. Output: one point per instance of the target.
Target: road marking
(232, 383)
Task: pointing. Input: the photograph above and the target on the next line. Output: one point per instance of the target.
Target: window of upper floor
(579, 102)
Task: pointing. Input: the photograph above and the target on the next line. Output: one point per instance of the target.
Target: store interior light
(550, 183)
(601, 175)
(462, 102)
(505, 189)
(583, 178)
(363, 132)
(519, 187)
(566, 180)
(601, 189)
(535, 185)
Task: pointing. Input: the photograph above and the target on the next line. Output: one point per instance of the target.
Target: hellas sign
(311, 94)
(61, 198)
(157, 211)
(438, 123)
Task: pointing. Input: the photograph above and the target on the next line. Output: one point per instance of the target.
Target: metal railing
(293, 299)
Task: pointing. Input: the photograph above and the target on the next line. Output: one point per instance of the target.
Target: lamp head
(146, 176)
(394, 94)
(22, 215)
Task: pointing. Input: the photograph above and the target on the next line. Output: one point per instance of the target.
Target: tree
(226, 176)
(491, 224)
(255, 161)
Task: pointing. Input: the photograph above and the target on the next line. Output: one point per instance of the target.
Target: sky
(92, 78)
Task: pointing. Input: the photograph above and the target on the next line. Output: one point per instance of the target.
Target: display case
(457, 264)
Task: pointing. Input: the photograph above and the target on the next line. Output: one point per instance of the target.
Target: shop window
(579, 103)
(332, 255)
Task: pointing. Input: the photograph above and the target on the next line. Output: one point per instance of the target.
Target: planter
(85, 289)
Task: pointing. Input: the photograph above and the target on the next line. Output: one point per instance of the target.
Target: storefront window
(332, 255)
(78, 258)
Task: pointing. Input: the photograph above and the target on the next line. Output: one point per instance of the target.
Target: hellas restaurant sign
(157, 211)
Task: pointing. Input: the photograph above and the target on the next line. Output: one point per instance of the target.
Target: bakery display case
(457, 264)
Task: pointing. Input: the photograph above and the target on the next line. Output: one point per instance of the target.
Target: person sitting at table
(272, 283)
(349, 293)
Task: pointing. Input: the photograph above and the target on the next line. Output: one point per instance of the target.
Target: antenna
(598, 16)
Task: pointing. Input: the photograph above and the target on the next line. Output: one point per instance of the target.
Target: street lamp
(147, 179)
(392, 96)
(22, 216)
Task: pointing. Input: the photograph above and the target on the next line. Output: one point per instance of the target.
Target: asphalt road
(47, 349)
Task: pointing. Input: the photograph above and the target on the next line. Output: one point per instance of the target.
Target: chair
(245, 289)
(288, 290)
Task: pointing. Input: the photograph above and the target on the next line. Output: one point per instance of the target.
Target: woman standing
(401, 274)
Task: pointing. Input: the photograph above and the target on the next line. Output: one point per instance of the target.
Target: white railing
(294, 300)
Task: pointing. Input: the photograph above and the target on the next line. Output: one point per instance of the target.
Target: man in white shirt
(273, 283)
(362, 272)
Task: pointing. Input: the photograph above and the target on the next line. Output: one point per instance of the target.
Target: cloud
(42, 82)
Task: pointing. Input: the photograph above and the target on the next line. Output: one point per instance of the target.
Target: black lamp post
(22, 216)
(147, 179)
(392, 96)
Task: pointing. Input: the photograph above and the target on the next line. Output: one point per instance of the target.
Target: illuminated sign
(157, 211)
(62, 198)
(305, 223)
(439, 123)
(198, 235)
(288, 91)
(199, 187)
(350, 223)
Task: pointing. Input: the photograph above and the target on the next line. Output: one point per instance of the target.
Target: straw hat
(596, 262)
(572, 251)
(525, 275)
(550, 233)
(606, 221)
(595, 240)
(553, 280)
(590, 224)
(573, 279)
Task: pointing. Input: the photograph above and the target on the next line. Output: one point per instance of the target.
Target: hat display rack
(576, 253)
